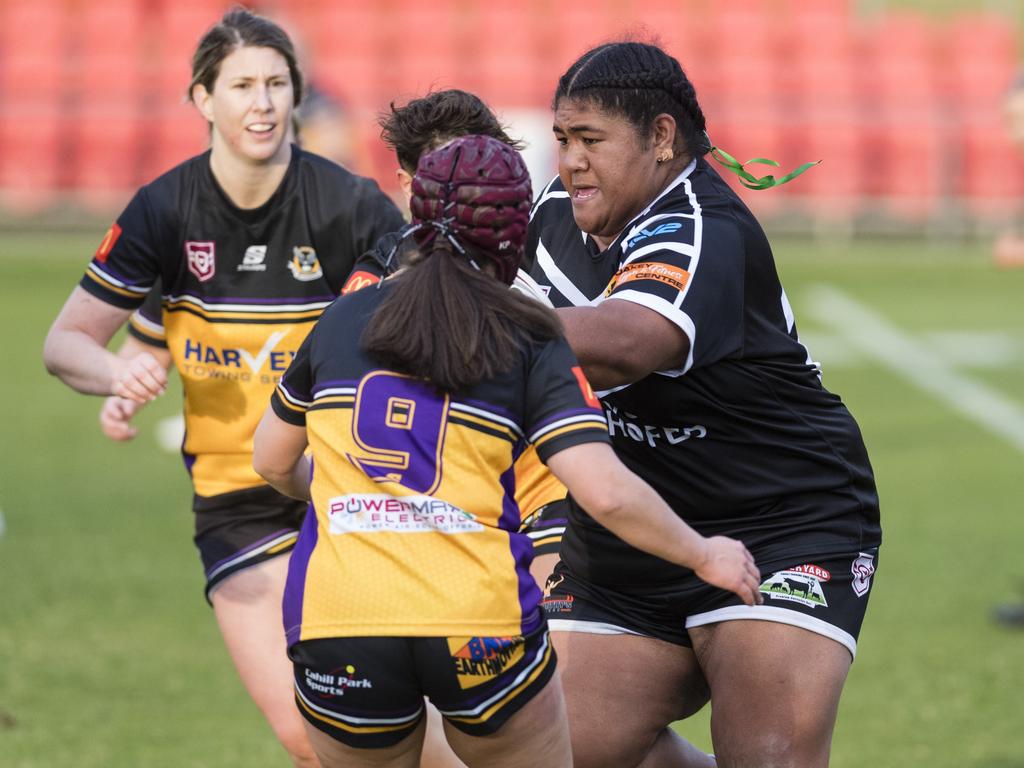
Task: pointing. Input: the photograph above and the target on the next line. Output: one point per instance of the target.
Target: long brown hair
(239, 28)
(445, 321)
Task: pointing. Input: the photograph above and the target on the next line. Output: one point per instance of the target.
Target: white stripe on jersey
(547, 194)
(684, 248)
(331, 391)
(670, 312)
(106, 277)
(140, 319)
(283, 390)
(273, 309)
(698, 239)
(787, 310)
(557, 278)
(489, 415)
(595, 417)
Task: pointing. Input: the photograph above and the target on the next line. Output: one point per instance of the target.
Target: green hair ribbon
(749, 180)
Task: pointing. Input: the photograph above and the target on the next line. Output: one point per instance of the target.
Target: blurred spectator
(324, 127)
(1009, 247)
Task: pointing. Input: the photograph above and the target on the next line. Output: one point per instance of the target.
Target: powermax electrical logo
(378, 512)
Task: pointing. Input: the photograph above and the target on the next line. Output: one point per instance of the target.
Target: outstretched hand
(141, 380)
(728, 565)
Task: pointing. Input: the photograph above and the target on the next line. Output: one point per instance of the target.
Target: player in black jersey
(249, 241)
(421, 411)
(674, 307)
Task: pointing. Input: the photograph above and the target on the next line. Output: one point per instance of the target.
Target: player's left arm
(279, 455)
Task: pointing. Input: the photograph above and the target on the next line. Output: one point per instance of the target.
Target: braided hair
(638, 81)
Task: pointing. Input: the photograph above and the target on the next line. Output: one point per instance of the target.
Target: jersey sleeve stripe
(117, 287)
(666, 245)
(669, 311)
(291, 400)
(587, 421)
(557, 278)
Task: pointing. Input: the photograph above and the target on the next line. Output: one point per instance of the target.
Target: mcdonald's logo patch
(107, 243)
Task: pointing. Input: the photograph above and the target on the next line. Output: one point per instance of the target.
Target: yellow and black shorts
(367, 692)
(545, 527)
(238, 530)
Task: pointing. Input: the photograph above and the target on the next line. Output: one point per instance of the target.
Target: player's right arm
(628, 507)
(76, 352)
(117, 412)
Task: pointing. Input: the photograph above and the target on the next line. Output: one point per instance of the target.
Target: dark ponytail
(449, 323)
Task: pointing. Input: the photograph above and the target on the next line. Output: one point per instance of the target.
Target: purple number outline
(372, 434)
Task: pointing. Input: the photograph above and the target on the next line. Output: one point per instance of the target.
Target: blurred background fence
(904, 106)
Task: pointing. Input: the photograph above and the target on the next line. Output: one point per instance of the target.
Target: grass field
(109, 656)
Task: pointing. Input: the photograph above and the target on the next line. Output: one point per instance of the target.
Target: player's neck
(248, 184)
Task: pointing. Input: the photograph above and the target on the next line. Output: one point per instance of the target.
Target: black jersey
(740, 438)
(240, 289)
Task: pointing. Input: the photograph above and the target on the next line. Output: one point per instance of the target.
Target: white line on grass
(878, 339)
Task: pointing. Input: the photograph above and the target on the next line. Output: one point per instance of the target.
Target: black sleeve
(126, 265)
(561, 408)
(147, 322)
(294, 393)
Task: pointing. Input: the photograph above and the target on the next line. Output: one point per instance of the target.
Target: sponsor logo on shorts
(201, 259)
(557, 604)
(305, 266)
(336, 683)
(253, 259)
(798, 585)
(376, 512)
(863, 568)
(477, 660)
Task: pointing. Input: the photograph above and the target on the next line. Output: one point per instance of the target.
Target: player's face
(251, 104)
(607, 167)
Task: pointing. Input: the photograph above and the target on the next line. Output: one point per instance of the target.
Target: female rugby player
(675, 310)
(416, 398)
(250, 241)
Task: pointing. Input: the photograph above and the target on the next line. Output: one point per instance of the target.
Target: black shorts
(243, 528)
(546, 526)
(827, 595)
(368, 692)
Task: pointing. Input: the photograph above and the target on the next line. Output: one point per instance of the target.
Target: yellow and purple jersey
(416, 523)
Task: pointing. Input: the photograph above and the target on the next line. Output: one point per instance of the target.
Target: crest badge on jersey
(863, 569)
(201, 261)
(305, 266)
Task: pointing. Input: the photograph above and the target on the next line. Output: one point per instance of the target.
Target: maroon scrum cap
(475, 192)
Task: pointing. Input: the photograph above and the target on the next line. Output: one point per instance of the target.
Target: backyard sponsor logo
(798, 585)
(480, 659)
(662, 273)
(376, 512)
(863, 568)
(253, 259)
(201, 262)
(304, 265)
(333, 684)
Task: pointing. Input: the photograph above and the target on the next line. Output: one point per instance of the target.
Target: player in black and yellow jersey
(249, 242)
(416, 398)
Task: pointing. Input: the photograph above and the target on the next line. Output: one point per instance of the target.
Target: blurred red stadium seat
(979, 60)
(992, 172)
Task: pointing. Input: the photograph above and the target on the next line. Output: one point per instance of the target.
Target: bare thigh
(335, 754)
(538, 734)
(774, 690)
(622, 692)
(248, 609)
